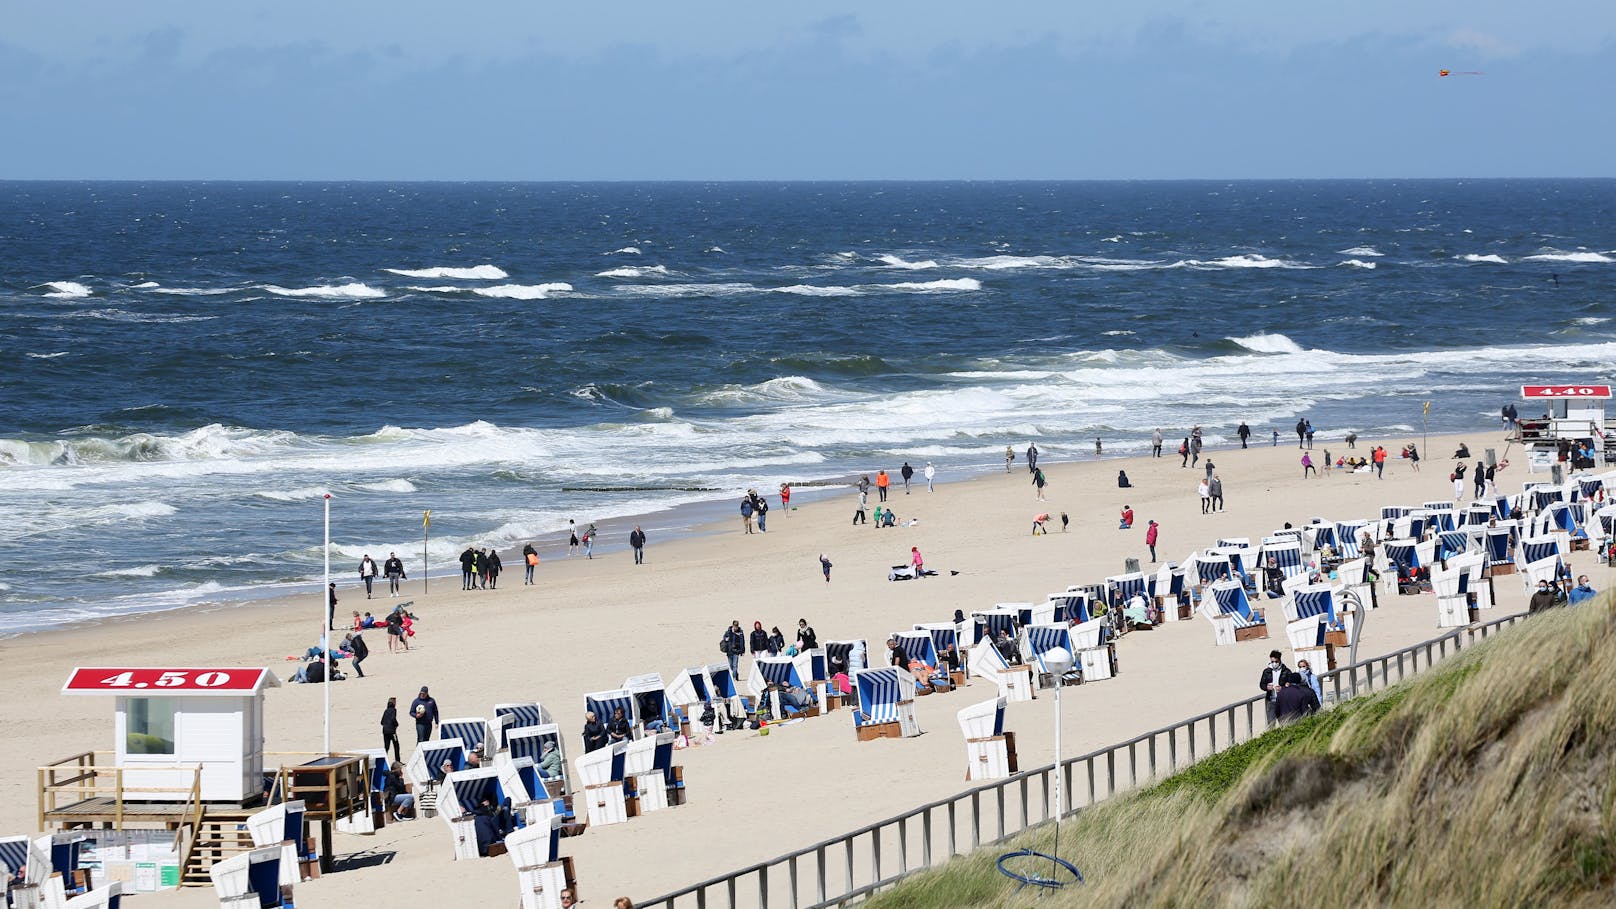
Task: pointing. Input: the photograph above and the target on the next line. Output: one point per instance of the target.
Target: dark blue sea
(189, 367)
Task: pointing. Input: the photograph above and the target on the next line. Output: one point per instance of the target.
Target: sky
(718, 90)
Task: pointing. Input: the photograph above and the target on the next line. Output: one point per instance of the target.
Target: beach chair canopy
(426, 763)
(14, 858)
(470, 730)
(880, 691)
(522, 779)
(1451, 543)
(1590, 487)
(1537, 549)
(601, 766)
(919, 646)
(984, 720)
(691, 686)
(1044, 638)
(1497, 542)
(1348, 535)
(1211, 568)
(1607, 520)
(1318, 536)
(1305, 633)
(1317, 601)
(1544, 496)
(1234, 543)
(840, 656)
(534, 845)
(604, 703)
(1070, 607)
(1478, 513)
(528, 742)
(723, 681)
(1402, 553)
(990, 622)
(518, 715)
(1450, 581)
(943, 636)
(281, 823)
(1393, 512)
(784, 670)
(1124, 587)
(1030, 613)
(465, 790)
(650, 698)
(1230, 597)
(1284, 555)
(662, 753)
(1089, 635)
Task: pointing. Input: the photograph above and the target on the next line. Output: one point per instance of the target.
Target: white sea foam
(1476, 257)
(945, 284)
(715, 249)
(522, 291)
(625, 251)
(474, 273)
(1269, 344)
(1585, 258)
(389, 486)
(634, 272)
(898, 262)
(351, 291)
(67, 290)
(1000, 263)
(48, 356)
(1245, 260)
(145, 285)
(1362, 251)
(1590, 320)
(809, 290)
(301, 494)
(1114, 239)
(1358, 263)
(685, 290)
(191, 291)
(138, 571)
(122, 315)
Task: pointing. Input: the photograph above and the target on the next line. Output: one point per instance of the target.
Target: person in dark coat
(636, 542)
(1294, 700)
(390, 728)
(897, 655)
(1270, 682)
(468, 568)
(617, 728)
(1541, 600)
(424, 709)
(331, 606)
(356, 646)
(494, 568)
(759, 642)
(594, 732)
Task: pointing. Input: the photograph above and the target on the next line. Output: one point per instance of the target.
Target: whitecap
(191, 291)
(301, 494)
(685, 290)
(1361, 251)
(1115, 239)
(1358, 263)
(522, 291)
(1590, 320)
(809, 290)
(138, 571)
(145, 285)
(945, 284)
(899, 262)
(67, 290)
(1269, 343)
(353, 291)
(633, 272)
(389, 486)
(715, 249)
(1495, 260)
(625, 251)
(49, 356)
(1586, 258)
(998, 263)
(1245, 260)
(474, 273)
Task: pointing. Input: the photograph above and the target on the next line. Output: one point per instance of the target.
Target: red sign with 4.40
(1565, 391)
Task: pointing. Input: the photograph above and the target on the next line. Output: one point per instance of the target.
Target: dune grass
(1488, 781)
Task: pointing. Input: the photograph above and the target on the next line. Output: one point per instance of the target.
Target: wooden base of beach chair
(957, 677)
(541, 885)
(922, 690)
(1096, 664)
(1251, 633)
(1579, 544)
(1336, 639)
(606, 804)
(869, 732)
(556, 788)
(1500, 569)
(989, 758)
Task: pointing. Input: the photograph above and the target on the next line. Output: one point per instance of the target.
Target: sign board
(1565, 391)
(192, 682)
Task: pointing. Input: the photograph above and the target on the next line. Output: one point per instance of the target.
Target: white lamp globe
(1058, 660)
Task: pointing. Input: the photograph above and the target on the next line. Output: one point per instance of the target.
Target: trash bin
(1130, 566)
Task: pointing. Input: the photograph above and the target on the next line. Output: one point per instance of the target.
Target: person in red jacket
(1150, 539)
(1127, 518)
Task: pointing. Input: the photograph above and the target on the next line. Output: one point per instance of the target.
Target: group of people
(480, 568)
(392, 569)
(1289, 694)
(736, 643)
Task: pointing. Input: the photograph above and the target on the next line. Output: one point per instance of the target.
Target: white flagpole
(327, 619)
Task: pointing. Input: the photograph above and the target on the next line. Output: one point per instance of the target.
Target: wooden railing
(84, 780)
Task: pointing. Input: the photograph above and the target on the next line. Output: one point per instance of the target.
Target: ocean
(189, 367)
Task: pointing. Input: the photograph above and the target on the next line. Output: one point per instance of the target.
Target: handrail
(1019, 781)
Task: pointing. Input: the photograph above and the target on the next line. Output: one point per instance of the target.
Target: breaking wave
(475, 273)
(522, 291)
(350, 291)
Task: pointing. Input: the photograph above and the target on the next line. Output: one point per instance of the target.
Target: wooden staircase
(217, 834)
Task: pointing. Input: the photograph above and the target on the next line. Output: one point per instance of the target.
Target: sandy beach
(588, 624)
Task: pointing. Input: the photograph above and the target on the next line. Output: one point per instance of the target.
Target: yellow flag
(1427, 408)
(426, 520)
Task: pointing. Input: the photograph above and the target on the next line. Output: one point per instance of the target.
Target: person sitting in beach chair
(928, 675)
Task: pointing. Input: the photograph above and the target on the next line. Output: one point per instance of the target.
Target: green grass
(1487, 781)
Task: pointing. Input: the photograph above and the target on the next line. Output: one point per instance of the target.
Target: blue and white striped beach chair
(463, 791)
(605, 703)
(1542, 497)
(540, 873)
(886, 704)
(1072, 605)
(524, 785)
(792, 672)
(1231, 614)
(1478, 514)
(1349, 536)
(920, 645)
(600, 774)
(1014, 682)
(281, 825)
(425, 765)
(1034, 613)
(1043, 638)
(1317, 536)
(989, 622)
(472, 731)
(1451, 543)
(652, 712)
(517, 715)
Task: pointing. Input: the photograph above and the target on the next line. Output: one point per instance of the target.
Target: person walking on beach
(758, 643)
(858, 513)
(908, 473)
(918, 562)
(394, 569)
(1269, 682)
(355, 645)
(1209, 468)
(495, 566)
(589, 540)
(1351, 440)
(1458, 483)
(1379, 456)
(1039, 481)
(1204, 488)
(1009, 457)
(636, 542)
(390, 729)
(331, 606)
(1156, 443)
(1307, 466)
(468, 568)
(761, 504)
(1184, 452)
(395, 632)
(1480, 480)
(1307, 426)
(572, 538)
(1098, 446)
(1276, 438)
(931, 474)
(530, 558)
(882, 481)
(824, 565)
(424, 709)
(1151, 531)
(1301, 431)
(1244, 432)
(785, 498)
(1214, 488)
(367, 573)
(733, 646)
(1032, 456)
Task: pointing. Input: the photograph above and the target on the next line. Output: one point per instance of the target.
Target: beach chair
(541, 872)
(600, 773)
(1566, 518)
(1043, 638)
(1454, 606)
(425, 766)
(1499, 548)
(463, 791)
(249, 880)
(673, 775)
(1121, 589)
(790, 672)
(107, 896)
(1234, 543)
(1170, 593)
(1478, 514)
(886, 706)
(1353, 577)
(1479, 585)
(989, 622)
(1317, 536)
(281, 826)
(1095, 650)
(945, 635)
(1389, 515)
(516, 716)
(990, 751)
(1349, 536)
(1283, 554)
(1451, 543)
(689, 692)
(652, 713)
(524, 785)
(603, 703)
(1591, 489)
(1542, 558)
(27, 865)
(1072, 605)
(1014, 682)
(1542, 496)
(1232, 617)
(1325, 603)
(843, 657)
(920, 646)
(376, 767)
(645, 785)
(472, 731)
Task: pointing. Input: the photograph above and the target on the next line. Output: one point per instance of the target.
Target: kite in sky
(1449, 72)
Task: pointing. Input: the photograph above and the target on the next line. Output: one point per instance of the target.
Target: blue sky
(1016, 89)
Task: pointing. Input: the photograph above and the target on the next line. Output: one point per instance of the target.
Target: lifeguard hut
(1570, 414)
(188, 757)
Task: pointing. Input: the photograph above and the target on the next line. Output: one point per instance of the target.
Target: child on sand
(1127, 518)
(824, 565)
(1038, 522)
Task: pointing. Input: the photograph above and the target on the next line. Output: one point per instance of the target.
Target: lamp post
(1058, 661)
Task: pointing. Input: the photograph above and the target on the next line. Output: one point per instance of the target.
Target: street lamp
(1058, 661)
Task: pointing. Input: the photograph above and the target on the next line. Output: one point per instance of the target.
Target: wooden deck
(103, 811)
